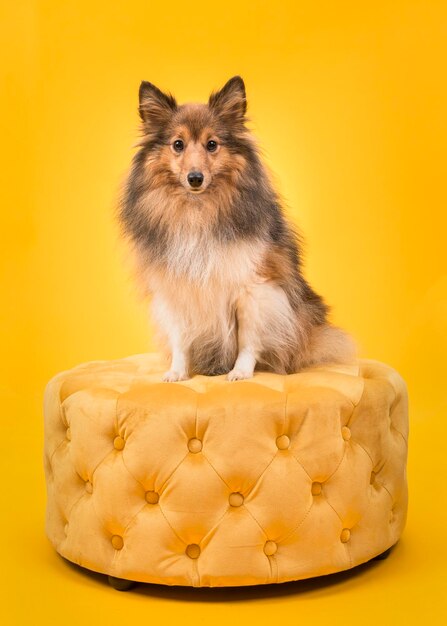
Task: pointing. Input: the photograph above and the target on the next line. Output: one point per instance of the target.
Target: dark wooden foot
(383, 556)
(121, 584)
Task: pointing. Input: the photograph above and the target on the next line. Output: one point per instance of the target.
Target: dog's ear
(230, 102)
(155, 107)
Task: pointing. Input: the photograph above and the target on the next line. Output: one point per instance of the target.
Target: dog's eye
(211, 145)
(178, 145)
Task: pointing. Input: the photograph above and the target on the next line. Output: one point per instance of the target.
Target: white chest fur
(201, 283)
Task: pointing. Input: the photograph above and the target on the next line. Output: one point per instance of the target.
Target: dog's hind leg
(265, 322)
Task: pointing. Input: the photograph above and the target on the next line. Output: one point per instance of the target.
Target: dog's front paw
(172, 376)
(239, 375)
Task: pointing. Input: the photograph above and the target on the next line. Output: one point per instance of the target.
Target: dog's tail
(330, 344)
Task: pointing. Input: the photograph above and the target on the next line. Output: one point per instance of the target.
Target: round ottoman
(210, 483)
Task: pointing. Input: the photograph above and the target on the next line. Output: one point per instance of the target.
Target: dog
(213, 248)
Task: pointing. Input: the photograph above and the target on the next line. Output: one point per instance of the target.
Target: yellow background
(349, 101)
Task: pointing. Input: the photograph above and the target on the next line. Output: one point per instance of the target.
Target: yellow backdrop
(349, 102)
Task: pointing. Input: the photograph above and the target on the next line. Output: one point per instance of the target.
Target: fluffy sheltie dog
(213, 248)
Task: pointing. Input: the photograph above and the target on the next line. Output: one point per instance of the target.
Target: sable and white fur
(219, 260)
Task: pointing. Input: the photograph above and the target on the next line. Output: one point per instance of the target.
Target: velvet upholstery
(210, 483)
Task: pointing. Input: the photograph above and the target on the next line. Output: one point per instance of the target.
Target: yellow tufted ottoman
(211, 483)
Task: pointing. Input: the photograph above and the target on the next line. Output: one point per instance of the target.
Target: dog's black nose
(195, 179)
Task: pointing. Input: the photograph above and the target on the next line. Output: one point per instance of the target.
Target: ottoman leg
(121, 584)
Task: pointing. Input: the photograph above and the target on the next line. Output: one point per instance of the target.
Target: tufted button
(392, 514)
(236, 499)
(117, 542)
(66, 528)
(68, 434)
(283, 442)
(346, 433)
(270, 548)
(193, 551)
(118, 443)
(152, 497)
(316, 489)
(372, 478)
(345, 535)
(88, 487)
(194, 446)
